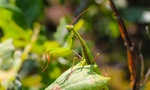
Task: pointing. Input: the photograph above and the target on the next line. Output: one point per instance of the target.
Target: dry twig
(131, 53)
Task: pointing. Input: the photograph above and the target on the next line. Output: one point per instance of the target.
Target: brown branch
(130, 48)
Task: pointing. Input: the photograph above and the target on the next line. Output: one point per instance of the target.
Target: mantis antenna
(77, 16)
(81, 14)
(61, 9)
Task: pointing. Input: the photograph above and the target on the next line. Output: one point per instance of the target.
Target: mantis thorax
(69, 27)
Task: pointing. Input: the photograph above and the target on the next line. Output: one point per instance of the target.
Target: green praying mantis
(87, 71)
(66, 51)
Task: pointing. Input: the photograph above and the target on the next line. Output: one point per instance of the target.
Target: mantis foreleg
(87, 54)
(58, 52)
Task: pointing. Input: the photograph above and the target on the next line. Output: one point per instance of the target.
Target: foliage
(87, 79)
(10, 63)
(27, 29)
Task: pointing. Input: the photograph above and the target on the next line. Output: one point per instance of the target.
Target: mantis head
(69, 27)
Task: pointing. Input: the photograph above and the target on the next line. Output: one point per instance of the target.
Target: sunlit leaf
(79, 24)
(33, 80)
(80, 78)
(6, 53)
(113, 29)
(55, 73)
(51, 44)
(10, 63)
(9, 24)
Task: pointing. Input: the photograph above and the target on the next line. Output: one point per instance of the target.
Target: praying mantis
(66, 51)
(87, 70)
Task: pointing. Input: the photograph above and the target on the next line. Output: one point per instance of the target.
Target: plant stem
(131, 53)
(33, 40)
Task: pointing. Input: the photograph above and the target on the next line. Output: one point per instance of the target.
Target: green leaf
(10, 23)
(79, 25)
(13, 13)
(80, 78)
(6, 53)
(51, 44)
(55, 72)
(32, 9)
(33, 80)
(9, 58)
(114, 29)
(10, 63)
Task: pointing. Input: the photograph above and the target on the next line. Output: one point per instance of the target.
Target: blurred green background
(29, 27)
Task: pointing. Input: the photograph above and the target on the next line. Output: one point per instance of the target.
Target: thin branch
(81, 14)
(147, 31)
(142, 62)
(130, 47)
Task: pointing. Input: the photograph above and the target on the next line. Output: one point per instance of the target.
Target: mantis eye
(69, 27)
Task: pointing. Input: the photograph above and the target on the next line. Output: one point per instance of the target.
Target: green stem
(33, 40)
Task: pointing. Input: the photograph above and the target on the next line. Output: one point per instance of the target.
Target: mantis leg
(87, 53)
(47, 57)
(75, 58)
